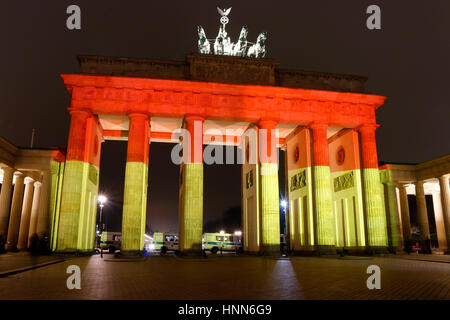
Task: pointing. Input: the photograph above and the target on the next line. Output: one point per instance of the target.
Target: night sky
(407, 61)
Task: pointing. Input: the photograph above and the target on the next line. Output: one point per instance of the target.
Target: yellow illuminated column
(5, 200)
(76, 220)
(323, 197)
(394, 221)
(136, 182)
(374, 205)
(270, 202)
(190, 214)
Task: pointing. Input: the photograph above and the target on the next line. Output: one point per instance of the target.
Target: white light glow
(102, 199)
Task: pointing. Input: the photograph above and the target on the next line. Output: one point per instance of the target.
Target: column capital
(267, 124)
(18, 176)
(401, 185)
(419, 182)
(317, 125)
(193, 117)
(7, 169)
(29, 180)
(37, 184)
(81, 111)
(369, 127)
(138, 115)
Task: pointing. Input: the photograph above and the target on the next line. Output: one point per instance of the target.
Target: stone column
(375, 212)
(34, 211)
(422, 213)
(439, 220)
(136, 181)
(323, 197)
(16, 209)
(43, 218)
(22, 243)
(190, 214)
(74, 185)
(394, 221)
(406, 222)
(445, 200)
(270, 201)
(5, 201)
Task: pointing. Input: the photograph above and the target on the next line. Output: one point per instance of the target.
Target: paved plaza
(234, 277)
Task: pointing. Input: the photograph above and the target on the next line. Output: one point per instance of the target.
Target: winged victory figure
(224, 12)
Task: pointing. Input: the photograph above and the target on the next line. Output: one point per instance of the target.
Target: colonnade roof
(410, 173)
(28, 159)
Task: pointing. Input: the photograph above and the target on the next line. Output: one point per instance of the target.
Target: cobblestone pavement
(16, 260)
(230, 277)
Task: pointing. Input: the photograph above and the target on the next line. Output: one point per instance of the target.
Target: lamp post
(283, 204)
(101, 200)
(221, 245)
(237, 244)
(284, 243)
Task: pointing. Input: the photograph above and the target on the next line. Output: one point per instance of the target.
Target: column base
(306, 251)
(271, 251)
(73, 252)
(131, 253)
(376, 250)
(425, 247)
(395, 250)
(191, 254)
(325, 250)
(351, 251)
(11, 248)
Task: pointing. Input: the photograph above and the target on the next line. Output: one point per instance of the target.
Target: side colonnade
(28, 197)
(431, 178)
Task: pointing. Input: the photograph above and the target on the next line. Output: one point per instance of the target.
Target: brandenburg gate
(324, 122)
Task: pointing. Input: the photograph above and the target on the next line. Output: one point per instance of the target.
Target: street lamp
(284, 244)
(221, 242)
(101, 200)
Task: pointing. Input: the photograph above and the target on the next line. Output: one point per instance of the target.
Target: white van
(164, 241)
(110, 241)
(217, 241)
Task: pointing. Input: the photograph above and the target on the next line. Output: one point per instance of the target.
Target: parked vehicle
(221, 241)
(164, 242)
(110, 241)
